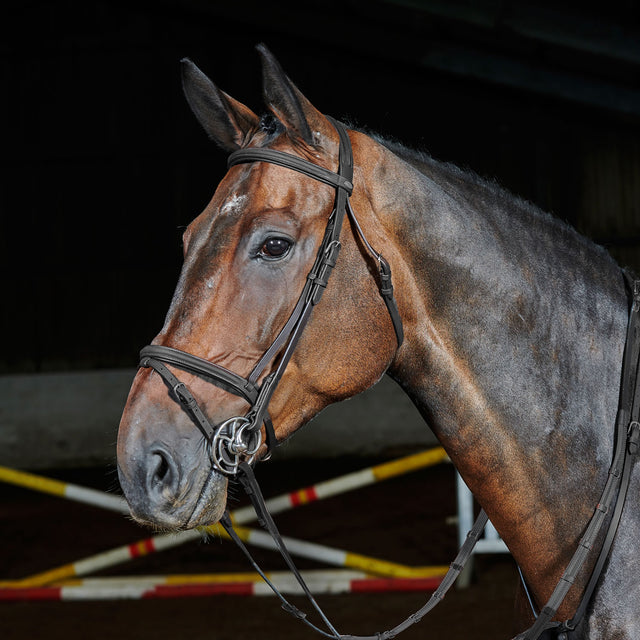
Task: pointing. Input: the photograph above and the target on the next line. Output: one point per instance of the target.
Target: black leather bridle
(239, 438)
(234, 444)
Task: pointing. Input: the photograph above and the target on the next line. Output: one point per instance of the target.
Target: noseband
(239, 438)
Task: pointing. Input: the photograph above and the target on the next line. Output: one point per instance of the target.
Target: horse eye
(275, 248)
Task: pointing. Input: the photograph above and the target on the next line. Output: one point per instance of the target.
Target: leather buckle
(183, 394)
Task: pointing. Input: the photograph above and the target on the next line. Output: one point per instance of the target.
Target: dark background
(104, 163)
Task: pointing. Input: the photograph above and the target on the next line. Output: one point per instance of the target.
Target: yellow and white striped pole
(335, 557)
(348, 482)
(255, 537)
(64, 490)
(103, 560)
(278, 504)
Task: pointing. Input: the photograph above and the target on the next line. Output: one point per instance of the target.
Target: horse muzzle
(164, 491)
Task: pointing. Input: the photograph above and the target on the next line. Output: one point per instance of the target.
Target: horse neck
(515, 328)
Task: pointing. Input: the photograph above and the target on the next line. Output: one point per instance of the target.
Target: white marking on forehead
(233, 205)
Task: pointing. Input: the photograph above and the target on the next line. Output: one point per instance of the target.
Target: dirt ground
(402, 520)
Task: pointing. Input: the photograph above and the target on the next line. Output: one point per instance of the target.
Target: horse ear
(286, 101)
(225, 120)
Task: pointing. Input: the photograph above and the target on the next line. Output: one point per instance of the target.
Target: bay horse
(514, 330)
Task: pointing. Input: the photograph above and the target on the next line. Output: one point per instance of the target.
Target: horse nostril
(162, 468)
(162, 471)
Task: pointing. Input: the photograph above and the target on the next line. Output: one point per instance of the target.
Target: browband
(290, 161)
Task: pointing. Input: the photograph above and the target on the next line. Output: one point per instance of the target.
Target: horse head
(247, 258)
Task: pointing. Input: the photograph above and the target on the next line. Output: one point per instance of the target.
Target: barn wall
(107, 164)
(70, 419)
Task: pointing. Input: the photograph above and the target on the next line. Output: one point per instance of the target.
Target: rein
(233, 445)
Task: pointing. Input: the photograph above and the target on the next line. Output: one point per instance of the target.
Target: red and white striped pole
(145, 587)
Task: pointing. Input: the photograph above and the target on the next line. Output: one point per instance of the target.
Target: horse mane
(550, 230)
(466, 178)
